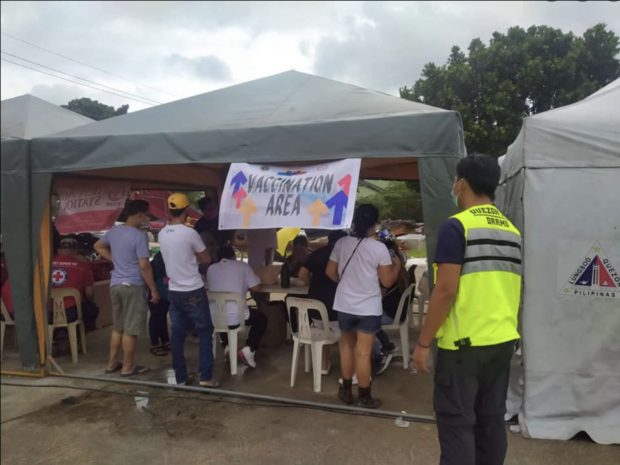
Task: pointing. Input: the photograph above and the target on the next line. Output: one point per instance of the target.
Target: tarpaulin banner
(264, 196)
(89, 205)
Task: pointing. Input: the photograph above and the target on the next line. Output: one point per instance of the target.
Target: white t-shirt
(179, 246)
(260, 240)
(231, 276)
(359, 290)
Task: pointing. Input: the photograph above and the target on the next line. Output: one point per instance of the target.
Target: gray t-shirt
(128, 246)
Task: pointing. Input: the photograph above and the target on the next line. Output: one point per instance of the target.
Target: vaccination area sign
(89, 205)
(264, 196)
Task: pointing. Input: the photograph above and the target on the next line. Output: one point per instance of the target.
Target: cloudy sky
(169, 50)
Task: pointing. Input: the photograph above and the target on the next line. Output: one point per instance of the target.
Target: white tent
(561, 187)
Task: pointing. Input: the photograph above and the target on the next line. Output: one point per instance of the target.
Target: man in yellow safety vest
(473, 314)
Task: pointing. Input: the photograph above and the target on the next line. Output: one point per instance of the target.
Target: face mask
(455, 197)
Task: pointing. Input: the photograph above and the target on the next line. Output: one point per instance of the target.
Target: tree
(94, 110)
(520, 73)
(399, 201)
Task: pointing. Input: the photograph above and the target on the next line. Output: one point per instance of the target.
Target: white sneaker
(247, 357)
(354, 380)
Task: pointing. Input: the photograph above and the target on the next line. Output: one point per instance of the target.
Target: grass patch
(416, 253)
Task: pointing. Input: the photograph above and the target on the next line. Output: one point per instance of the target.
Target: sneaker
(389, 349)
(193, 339)
(345, 394)
(226, 354)
(383, 362)
(247, 357)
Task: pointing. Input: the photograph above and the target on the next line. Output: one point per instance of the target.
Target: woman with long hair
(360, 266)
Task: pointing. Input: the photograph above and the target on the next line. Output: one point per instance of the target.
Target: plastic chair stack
(310, 337)
(217, 303)
(60, 321)
(405, 304)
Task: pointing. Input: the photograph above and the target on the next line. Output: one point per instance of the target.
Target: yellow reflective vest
(487, 303)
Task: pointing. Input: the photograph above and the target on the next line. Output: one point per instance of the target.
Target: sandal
(117, 367)
(138, 370)
(209, 384)
(159, 351)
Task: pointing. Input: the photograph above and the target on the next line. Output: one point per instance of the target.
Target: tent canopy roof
(26, 117)
(287, 98)
(583, 134)
(289, 117)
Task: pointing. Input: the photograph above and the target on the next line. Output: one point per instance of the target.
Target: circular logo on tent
(59, 277)
(116, 195)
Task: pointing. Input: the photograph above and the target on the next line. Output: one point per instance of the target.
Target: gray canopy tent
(23, 118)
(559, 186)
(289, 118)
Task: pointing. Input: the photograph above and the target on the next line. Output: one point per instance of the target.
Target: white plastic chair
(219, 313)
(422, 295)
(310, 337)
(60, 321)
(407, 297)
(8, 321)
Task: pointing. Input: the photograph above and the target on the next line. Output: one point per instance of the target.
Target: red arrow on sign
(345, 183)
(239, 196)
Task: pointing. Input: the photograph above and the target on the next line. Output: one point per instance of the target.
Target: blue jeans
(186, 307)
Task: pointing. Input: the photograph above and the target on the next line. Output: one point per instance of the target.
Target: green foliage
(94, 110)
(399, 201)
(194, 197)
(520, 73)
(417, 253)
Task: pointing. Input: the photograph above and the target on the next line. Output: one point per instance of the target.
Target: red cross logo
(59, 277)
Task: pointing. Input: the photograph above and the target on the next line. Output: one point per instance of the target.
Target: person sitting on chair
(322, 288)
(299, 256)
(68, 272)
(230, 275)
(382, 356)
(6, 288)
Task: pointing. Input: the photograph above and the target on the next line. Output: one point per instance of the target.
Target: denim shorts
(368, 324)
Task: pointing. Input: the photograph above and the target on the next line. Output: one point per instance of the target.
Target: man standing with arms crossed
(473, 313)
(183, 250)
(127, 247)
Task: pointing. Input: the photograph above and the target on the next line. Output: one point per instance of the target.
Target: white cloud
(186, 48)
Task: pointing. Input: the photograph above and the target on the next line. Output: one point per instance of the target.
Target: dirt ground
(113, 429)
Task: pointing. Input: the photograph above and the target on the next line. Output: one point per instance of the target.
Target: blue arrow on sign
(338, 202)
(237, 181)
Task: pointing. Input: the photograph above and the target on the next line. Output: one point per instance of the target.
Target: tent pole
(259, 397)
(26, 374)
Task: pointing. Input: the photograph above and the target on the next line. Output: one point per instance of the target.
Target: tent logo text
(595, 276)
